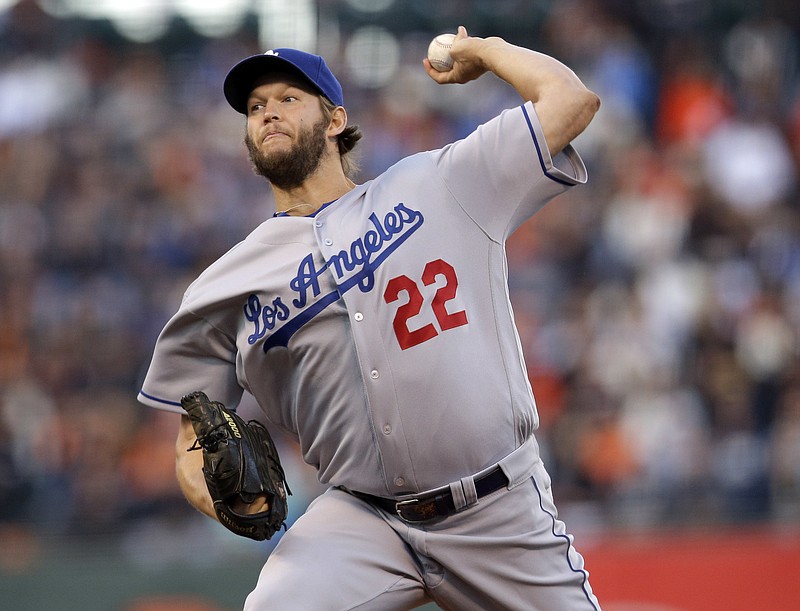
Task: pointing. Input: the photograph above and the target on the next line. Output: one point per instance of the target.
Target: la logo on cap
(271, 52)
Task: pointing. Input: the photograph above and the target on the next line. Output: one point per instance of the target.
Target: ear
(338, 122)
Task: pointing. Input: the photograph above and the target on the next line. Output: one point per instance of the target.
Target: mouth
(272, 136)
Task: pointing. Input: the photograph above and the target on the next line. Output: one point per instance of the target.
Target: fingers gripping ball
(439, 52)
(240, 464)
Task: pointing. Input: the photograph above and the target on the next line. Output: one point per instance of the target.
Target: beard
(290, 169)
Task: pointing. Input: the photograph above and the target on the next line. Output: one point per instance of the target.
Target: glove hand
(241, 467)
(257, 505)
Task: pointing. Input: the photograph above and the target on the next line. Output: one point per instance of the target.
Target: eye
(290, 98)
(256, 107)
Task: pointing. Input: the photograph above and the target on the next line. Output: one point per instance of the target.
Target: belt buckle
(398, 508)
(426, 507)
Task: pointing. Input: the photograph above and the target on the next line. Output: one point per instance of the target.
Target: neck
(309, 197)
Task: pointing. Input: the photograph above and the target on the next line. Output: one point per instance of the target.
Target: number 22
(408, 338)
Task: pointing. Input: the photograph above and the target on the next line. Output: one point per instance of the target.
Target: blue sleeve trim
(539, 151)
(159, 400)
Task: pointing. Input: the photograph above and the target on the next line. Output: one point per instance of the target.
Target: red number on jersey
(410, 309)
(444, 294)
(409, 338)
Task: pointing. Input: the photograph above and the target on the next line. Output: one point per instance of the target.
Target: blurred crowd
(658, 306)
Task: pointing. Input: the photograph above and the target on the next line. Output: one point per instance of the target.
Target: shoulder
(412, 164)
(223, 272)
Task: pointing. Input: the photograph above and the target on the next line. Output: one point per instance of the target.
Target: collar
(312, 215)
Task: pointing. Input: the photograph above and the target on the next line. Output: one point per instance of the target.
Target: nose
(271, 112)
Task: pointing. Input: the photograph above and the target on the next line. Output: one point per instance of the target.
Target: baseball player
(372, 322)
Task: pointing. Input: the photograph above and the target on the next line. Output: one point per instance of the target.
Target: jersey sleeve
(191, 354)
(502, 173)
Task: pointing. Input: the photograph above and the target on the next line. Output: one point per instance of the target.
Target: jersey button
(358, 316)
(374, 374)
(328, 242)
(317, 223)
(399, 481)
(387, 429)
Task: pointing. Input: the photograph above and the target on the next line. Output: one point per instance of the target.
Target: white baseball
(439, 52)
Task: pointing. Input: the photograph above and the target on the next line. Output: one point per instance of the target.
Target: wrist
(489, 55)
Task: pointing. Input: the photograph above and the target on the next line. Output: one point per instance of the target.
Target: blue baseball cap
(242, 77)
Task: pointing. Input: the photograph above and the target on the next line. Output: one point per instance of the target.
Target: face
(286, 131)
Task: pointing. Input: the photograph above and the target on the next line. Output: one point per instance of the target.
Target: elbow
(592, 102)
(585, 108)
(565, 116)
(589, 105)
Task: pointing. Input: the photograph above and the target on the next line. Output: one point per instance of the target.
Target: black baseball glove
(240, 463)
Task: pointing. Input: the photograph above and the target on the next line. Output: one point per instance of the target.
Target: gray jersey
(379, 332)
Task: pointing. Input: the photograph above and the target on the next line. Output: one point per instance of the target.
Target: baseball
(439, 52)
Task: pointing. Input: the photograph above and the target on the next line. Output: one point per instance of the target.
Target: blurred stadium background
(659, 306)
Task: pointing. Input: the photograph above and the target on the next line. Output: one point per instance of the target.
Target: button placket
(377, 375)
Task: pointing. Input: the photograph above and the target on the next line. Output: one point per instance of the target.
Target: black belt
(428, 507)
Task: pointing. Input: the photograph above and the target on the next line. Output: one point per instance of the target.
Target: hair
(347, 140)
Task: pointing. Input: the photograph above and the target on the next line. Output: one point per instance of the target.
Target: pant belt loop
(519, 465)
(459, 500)
(464, 493)
(470, 494)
